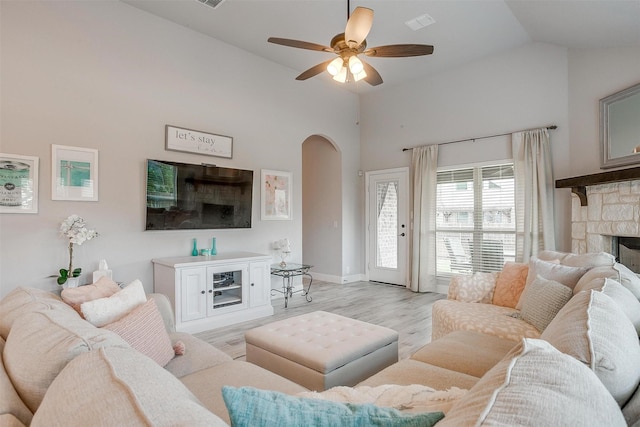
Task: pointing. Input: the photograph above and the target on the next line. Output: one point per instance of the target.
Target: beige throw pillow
(120, 387)
(592, 328)
(104, 287)
(536, 385)
(627, 302)
(542, 300)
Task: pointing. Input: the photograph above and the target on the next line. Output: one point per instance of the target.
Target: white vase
(72, 282)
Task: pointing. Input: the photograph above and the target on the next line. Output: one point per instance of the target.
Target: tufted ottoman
(321, 350)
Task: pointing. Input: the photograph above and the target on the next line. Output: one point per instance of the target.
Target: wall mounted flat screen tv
(188, 196)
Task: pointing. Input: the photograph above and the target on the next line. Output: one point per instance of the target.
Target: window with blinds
(475, 219)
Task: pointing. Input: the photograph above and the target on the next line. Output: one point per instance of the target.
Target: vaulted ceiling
(464, 30)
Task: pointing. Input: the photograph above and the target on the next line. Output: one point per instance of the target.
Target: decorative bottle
(214, 251)
(194, 252)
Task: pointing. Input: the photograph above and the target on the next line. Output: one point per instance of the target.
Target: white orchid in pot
(75, 230)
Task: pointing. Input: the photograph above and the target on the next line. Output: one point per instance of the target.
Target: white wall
(520, 89)
(593, 75)
(108, 76)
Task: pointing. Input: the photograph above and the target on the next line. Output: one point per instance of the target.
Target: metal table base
(288, 272)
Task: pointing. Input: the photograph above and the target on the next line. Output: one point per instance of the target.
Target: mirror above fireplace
(620, 128)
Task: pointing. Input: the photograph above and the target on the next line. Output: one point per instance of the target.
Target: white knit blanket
(409, 398)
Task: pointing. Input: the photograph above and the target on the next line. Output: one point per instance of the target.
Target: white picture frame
(195, 141)
(18, 183)
(276, 187)
(74, 173)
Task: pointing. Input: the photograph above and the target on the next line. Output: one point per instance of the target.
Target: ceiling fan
(348, 45)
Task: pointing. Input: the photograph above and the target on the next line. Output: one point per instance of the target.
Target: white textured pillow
(103, 311)
(536, 385)
(564, 274)
(592, 328)
(542, 300)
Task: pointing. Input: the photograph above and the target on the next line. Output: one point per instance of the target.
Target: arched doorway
(322, 207)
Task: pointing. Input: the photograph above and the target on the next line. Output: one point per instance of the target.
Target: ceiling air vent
(211, 3)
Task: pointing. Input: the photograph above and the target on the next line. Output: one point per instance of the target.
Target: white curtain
(535, 230)
(424, 164)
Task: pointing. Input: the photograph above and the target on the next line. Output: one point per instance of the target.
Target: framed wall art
(276, 195)
(18, 184)
(194, 141)
(74, 173)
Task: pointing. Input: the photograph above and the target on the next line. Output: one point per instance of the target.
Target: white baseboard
(338, 279)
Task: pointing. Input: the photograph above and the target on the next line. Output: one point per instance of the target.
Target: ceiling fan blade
(314, 71)
(358, 26)
(373, 77)
(299, 44)
(399, 50)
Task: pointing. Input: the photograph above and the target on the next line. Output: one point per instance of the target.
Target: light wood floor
(395, 307)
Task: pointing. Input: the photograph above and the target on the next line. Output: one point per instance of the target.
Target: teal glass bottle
(214, 251)
(194, 252)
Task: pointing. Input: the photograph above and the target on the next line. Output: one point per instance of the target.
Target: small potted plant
(75, 230)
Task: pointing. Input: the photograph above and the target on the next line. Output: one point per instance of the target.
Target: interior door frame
(404, 171)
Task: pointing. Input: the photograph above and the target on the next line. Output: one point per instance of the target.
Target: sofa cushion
(407, 398)
(207, 384)
(21, 300)
(449, 316)
(477, 287)
(103, 311)
(628, 279)
(589, 260)
(536, 385)
(452, 352)
(41, 344)
(250, 407)
(510, 284)
(144, 330)
(11, 405)
(584, 329)
(104, 287)
(119, 387)
(542, 300)
(621, 295)
(409, 371)
(564, 274)
(198, 355)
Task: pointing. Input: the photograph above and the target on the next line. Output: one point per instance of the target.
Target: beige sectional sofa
(583, 368)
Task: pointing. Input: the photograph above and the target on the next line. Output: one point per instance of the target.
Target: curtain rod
(551, 127)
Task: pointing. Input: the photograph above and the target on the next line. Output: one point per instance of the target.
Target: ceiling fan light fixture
(341, 76)
(359, 76)
(335, 66)
(355, 65)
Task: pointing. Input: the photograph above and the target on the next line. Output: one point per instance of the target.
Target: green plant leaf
(76, 272)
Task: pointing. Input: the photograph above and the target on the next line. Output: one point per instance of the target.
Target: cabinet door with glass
(227, 288)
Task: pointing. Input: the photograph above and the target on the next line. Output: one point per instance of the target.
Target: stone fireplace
(605, 214)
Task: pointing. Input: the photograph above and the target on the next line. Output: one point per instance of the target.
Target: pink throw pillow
(144, 330)
(510, 284)
(104, 287)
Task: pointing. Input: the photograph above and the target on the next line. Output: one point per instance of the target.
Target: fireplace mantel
(579, 184)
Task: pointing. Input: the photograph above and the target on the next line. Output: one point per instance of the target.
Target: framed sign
(74, 173)
(276, 195)
(18, 184)
(194, 141)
